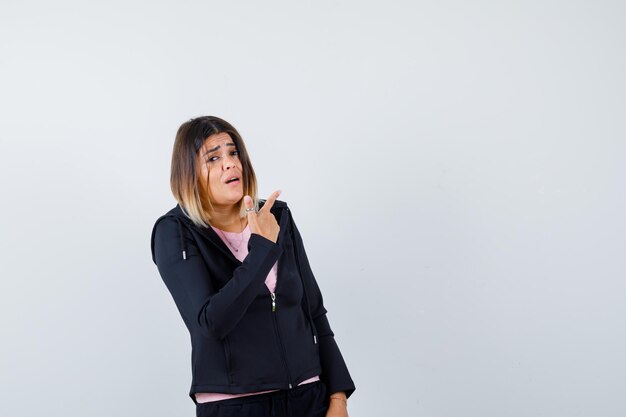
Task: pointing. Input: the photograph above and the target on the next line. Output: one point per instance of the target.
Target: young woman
(238, 272)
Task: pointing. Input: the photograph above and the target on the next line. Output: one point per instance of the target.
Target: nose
(229, 162)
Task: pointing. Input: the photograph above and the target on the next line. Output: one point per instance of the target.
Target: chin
(237, 199)
(228, 201)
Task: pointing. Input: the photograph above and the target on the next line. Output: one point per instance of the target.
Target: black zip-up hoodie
(242, 341)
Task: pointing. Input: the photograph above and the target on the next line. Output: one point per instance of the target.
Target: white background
(457, 170)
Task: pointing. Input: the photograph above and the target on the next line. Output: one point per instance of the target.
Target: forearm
(229, 305)
(215, 311)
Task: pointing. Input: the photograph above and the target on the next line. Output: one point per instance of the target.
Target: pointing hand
(263, 222)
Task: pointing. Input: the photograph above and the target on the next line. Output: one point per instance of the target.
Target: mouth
(233, 181)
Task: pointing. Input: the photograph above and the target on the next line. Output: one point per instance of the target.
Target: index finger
(270, 201)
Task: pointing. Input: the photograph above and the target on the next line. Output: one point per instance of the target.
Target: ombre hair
(185, 180)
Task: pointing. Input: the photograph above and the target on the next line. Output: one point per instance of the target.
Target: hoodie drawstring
(182, 239)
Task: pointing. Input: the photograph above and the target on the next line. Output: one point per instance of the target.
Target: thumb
(247, 201)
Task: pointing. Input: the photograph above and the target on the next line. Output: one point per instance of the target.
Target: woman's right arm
(215, 312)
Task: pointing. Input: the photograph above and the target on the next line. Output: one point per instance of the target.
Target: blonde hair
(185, 180)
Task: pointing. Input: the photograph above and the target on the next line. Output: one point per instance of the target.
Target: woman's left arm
(335, 373)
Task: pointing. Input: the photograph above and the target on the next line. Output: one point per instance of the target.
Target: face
(219, 158)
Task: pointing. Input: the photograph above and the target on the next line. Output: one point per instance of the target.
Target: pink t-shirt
(238, 245)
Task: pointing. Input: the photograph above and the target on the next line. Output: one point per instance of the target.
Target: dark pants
(308, 400)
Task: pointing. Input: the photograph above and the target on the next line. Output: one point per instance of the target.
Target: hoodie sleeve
(334, 370)
(215, 312)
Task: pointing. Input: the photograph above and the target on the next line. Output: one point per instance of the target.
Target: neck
(227, 218)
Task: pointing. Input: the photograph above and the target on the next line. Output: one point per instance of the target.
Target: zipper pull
(290, 387)
(273, 302)
(314, 340)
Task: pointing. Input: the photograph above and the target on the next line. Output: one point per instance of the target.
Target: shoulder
(277, 203)
(171, 221)
(165, 225)
(278, 208)
(165, 230)
(168, 232)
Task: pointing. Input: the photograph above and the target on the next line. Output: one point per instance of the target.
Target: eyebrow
(216, 148)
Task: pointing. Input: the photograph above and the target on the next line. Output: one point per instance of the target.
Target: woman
(240, 277)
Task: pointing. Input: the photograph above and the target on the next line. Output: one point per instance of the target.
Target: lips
(230, 179)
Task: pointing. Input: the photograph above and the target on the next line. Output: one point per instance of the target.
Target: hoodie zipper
(280, 341)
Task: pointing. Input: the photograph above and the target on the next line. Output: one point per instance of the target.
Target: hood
(184, 221)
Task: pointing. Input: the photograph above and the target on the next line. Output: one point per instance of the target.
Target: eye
(211, 159)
